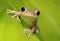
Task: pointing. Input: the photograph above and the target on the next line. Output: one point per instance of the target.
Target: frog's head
(28, 12)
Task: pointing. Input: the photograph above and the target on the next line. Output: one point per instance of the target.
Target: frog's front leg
(34, 30)
(31, 32)
(15, 13)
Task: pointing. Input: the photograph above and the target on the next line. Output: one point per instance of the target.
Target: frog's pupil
(38, 12)
(22, 9)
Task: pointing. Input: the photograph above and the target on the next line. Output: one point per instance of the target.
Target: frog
(28, 19)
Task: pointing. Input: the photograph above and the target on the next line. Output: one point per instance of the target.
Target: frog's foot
(27, 31)
(29, 35)
(16, 17)
(8, 10)
(11, 11)
(15, 14)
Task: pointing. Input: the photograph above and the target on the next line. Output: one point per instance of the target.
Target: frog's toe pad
(26, 31)
(8, 10)
(13, 16)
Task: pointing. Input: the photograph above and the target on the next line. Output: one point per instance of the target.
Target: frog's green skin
(28, 19)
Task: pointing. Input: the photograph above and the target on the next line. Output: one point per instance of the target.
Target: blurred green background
(49, 20)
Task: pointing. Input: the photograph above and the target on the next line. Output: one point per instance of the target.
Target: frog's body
(28, 19)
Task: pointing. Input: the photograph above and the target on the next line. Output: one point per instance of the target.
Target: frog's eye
(37, 12)
(23, 9)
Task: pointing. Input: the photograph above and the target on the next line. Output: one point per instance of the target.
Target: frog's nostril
(22, 9)
(38, 13)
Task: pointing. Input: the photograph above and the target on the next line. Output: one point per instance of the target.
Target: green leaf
(48, 22)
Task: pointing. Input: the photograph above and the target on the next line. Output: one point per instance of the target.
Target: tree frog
(28, 19)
